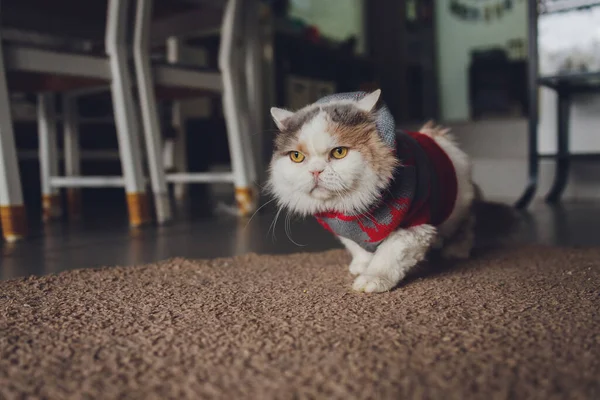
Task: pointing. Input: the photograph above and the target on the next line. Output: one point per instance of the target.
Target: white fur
(465, 190)
(347, 185)
(360, 257)
(402, 250)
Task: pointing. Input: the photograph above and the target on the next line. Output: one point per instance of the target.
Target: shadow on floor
(103, 238)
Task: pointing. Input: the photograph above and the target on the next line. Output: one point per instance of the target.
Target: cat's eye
(339, 152)
(296, 156)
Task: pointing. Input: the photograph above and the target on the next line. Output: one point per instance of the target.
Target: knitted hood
(386, 126)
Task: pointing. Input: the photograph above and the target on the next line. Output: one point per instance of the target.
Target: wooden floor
(102, 237)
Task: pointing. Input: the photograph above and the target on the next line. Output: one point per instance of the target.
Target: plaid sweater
(422, 191)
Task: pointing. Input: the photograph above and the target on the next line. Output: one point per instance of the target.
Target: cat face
(329, 157)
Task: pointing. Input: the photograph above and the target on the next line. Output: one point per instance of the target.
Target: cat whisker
(257, 210)
(265, 188)
(288, 231)
(274, 224)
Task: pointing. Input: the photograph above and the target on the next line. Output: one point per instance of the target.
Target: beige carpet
(521, 323)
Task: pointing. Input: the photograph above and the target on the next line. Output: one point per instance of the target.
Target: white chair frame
(12, 210)
(237, 36)
(114, 69)
(238, 57)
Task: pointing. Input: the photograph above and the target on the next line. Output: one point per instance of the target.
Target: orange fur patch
(302, 148)
(365, 139)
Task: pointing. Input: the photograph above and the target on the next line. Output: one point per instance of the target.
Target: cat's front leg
(360, 257)
(401, 251)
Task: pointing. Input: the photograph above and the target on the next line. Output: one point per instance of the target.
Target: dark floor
(102, 238)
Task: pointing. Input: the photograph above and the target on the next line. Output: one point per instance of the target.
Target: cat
(389, 196)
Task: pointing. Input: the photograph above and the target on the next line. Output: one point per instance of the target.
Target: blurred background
(465, 63)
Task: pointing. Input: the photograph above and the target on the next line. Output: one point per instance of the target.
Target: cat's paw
(372, 284)
(358, 266)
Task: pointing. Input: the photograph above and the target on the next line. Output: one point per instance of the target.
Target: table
(566, 86)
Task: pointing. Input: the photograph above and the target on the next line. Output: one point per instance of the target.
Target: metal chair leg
(533, 166)
(234, 107)
(12, 211)
(562, 157)
(72, 155)
(177, 154)
(147, 99)
(254, 81)
(532, 60)
(125, 114)
(51, 207)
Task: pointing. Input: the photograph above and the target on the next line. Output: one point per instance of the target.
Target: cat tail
(438, 131)
(432, 129)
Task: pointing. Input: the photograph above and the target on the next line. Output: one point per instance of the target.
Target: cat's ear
(279, 116)
(368, 102)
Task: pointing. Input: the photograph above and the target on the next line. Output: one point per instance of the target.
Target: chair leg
(125, 114)
(176, 156)
(180, 190)
(72, 156)
(147, 97)
(254, 81)
(51, 207)
(234, 107)
(12, 211)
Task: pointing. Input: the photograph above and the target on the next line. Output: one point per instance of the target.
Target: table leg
(533, 167)
(532, 60)
(563, 162)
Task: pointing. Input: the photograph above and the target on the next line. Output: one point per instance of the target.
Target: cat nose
(316, 173)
